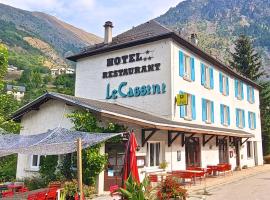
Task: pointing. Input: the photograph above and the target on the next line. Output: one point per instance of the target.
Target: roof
(126, 114)
(16, 88)
(149, 32)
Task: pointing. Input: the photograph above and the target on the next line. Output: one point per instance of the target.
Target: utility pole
(79, 167)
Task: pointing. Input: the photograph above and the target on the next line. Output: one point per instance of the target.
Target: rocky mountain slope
(38, 39)
(219, 22)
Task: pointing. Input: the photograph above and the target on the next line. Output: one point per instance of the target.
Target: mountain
(219, 22)
(38, 39)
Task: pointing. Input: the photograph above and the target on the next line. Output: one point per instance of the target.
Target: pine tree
(246, 60)
(249, 63)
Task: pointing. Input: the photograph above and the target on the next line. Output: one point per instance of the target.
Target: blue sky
(90, 15)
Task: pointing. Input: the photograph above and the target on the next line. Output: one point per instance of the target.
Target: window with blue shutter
(220, 82)
(193, 102)
(248, 93)
(182, 108)
(181, 63)
(249, 119)
(229, 116)
(243, 119)
(192, 61)
(252, 94)
(204, 112)
(202, 74)
(237, 117)
(227, 86)
(242, 90)
(236, 88)
(254, 117)
(221, 113)
(211, 74)
(212, 112)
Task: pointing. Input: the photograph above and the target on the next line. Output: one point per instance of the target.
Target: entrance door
(237, 151)
(223, 151)
(255, 153)
(113, 173)
(193, 152)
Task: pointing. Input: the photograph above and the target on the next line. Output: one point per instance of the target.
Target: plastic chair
(7, 194)
(51, 194)
(23, 189)
(114, 190)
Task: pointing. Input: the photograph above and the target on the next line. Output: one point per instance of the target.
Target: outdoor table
(14, 188)
(214, 168)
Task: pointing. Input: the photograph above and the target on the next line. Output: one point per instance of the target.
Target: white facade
(91, 84)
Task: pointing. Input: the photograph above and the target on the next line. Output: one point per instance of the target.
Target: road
(253, 188)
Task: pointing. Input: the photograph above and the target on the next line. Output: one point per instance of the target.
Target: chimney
(194, 39)
(108, 32)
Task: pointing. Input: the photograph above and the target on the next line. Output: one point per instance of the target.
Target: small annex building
(134, 79)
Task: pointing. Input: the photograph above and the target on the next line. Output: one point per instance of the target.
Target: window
(239, 89)
(251, 120)
(207, 76)
(207, 111)
(186, 67)
(223, 84)
(249, 149)
(224, 115)
(240, 118)
(250, 94)
(188, 111)
(153, 153)
(35, 162)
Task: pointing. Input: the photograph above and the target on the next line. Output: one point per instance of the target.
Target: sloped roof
(149, 32)
(128, 114)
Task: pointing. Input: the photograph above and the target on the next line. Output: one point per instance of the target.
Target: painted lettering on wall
(124, 91)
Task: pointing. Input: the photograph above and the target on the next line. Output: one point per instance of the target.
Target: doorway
(113, 173)
(193, 152)
(223, 151)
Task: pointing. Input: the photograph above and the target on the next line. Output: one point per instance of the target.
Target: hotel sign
(123, 90)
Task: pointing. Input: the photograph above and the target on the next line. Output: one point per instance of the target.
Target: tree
(7, 105)
(248, 62)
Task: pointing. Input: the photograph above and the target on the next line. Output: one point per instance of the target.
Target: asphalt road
(253, 188)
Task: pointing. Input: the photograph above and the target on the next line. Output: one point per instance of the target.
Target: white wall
(49, 116)
(90, 84)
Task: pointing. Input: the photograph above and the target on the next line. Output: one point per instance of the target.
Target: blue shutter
(229, 116)
(181, 63)
(237, 117)
(244, 119)
(193, 102)
(211, 72)
(249, 119)
(254, 120)
(227, 86)
(236, 87)
(212, 112)
(182, 108)
(242, 90)
(192, 69)
(220, 82)
(221, 113)
(253, 97)
(204, 109)
(202, 74)
(248, 93)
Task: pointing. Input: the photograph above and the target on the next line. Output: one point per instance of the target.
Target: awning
(53, 142)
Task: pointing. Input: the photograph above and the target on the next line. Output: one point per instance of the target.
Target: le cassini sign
(123, 90)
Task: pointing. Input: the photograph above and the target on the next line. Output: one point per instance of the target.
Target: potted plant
(171, 189)
(163, 165)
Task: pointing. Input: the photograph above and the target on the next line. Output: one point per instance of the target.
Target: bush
(48, 167)
(34, 183)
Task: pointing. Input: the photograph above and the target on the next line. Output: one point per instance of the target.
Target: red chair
(32, 197)
(51, 194)
(41, 195)
(114, 190)
(7, 194)
(153, 178)
(23, 189)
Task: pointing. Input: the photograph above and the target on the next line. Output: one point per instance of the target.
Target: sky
(90, 15)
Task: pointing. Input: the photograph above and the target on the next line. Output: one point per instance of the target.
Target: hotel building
(134, 79)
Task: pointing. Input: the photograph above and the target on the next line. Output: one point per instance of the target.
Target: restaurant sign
(124, 91)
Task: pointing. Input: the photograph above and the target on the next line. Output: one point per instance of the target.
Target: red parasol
(130, 166)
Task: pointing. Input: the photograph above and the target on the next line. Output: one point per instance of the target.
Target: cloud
(91, 14)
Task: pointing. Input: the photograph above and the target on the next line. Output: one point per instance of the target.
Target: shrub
(170, 188)
(34, 183)
(267, 159)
